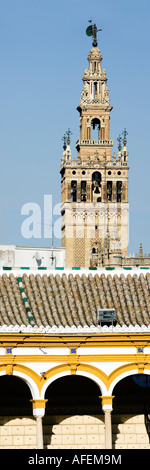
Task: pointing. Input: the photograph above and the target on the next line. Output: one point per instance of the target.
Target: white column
(108, 429)
(107, 408)
(39, 432)
(39, 412)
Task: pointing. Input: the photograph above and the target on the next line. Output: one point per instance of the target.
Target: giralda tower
(94, 185)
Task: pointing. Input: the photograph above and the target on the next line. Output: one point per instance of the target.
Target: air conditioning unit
(106, 315)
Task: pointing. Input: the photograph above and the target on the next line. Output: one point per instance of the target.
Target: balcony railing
(94, 142)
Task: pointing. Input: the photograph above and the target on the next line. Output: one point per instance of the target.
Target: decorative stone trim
(32, 327)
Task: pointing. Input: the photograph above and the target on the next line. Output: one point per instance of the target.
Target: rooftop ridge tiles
(101, 270)
(76, 330)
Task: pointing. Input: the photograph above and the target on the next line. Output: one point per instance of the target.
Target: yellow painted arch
(54, 371)
(81, 367)
(99, 374)
(29, 373)
(123, 369)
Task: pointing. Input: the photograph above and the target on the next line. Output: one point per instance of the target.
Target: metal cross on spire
(92, 31)
(68, 133)
(119, 142)
(64, 138)
(125, 133)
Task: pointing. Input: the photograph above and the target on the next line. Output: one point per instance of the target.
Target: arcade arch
(18, 426)
(73, 415)
(123, 372)
(88, 371)
(75, 404)
(15, 396)
(130, 415)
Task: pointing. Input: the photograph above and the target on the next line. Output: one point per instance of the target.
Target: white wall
(21, 256)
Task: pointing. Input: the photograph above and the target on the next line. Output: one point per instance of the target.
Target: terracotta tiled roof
(69, 301)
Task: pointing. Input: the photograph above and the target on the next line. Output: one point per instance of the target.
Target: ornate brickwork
(79, 252)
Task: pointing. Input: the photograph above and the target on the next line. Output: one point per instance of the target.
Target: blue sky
(43, 54)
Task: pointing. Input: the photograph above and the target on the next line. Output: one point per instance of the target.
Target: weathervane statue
(92, 31)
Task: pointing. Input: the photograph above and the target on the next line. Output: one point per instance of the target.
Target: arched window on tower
(95, 89)
(73, 191)
(119, 190)
(94, 256)
(109, 190)
(95, 129)
(96, 183)
(83, 191)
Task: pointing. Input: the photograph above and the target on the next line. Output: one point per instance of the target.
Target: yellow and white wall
(40, 360)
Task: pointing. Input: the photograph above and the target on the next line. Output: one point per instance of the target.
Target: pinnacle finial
(141, 251)
(92, 31)
(119, 142)
(68, 133)
(125, 133)
(64, 140)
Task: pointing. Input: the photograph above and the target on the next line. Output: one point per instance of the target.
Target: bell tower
(94, 186)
